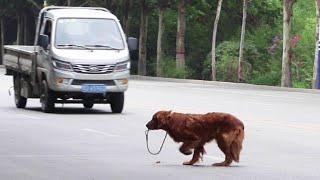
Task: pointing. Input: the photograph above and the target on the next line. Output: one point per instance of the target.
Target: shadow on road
(67, 110)
(200, 166)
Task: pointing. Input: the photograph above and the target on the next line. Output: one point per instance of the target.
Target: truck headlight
(123, 66)
(61, 65)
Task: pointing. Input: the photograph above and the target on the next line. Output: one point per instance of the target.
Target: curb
(229, 85)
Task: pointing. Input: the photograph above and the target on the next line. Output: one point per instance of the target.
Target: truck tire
(19, 100)
(88, 105)
(117, 102)
(46, 98)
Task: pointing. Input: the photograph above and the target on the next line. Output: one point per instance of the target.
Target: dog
(195, 130)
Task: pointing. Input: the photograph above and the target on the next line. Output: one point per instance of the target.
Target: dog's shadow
(200, 166)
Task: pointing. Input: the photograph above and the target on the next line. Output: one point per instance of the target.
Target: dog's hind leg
(224, 145)
(198, 152)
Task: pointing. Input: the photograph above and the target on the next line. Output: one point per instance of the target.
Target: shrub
(227, 61)
(169, 70)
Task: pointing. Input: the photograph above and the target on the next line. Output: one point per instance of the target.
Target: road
(282, 136)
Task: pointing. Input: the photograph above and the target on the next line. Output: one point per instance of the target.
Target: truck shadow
(71, 110)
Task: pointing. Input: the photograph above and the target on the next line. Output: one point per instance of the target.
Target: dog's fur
(195, 130)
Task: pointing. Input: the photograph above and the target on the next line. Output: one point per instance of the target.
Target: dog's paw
(187, 163)
(220, 164)
(188, 152)
(185, 151)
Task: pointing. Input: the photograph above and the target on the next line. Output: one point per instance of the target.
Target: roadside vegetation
(178, 37)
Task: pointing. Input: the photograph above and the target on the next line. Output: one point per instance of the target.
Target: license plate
(93, 88)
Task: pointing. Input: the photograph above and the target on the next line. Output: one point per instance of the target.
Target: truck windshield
(88, 34)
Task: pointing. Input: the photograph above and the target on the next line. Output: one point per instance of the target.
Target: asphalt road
(282, 136)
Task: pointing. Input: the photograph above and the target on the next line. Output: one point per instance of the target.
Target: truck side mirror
(43, 41)
(132, 44)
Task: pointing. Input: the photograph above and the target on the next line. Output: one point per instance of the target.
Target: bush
(169, 70)
(272, 78)
(227, 61)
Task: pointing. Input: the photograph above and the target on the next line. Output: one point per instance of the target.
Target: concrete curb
(225, 84)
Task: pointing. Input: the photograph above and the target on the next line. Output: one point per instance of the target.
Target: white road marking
(100, 132)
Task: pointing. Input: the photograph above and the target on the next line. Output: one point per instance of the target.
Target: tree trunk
(142, 64)
(68, 2)
(19, 29)
(286, 80)
(180, 44)
(110, 5)
(242, 41)
(214, 39)
(25, 30)
(1, 39)
(159, 42)
(316, 69)
(126, 20)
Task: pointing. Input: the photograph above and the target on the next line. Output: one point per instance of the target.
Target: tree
(242, 43)
(126, 20)
(2, 17)
(1, 38)
(316, 71)
(21, 9)
(111, 5)
(214, 39)
(181, 29)
(163, 5)
(142, 63)
(286, 80)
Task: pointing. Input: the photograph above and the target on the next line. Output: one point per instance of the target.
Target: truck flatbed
(20, 58)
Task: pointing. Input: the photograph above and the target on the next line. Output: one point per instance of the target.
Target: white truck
(80, 55)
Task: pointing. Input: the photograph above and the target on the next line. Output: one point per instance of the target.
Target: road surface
(282, 136)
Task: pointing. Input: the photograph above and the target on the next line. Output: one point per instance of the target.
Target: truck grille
(105, 82)
(93, 69)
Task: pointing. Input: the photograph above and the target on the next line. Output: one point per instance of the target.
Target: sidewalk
(225, 84)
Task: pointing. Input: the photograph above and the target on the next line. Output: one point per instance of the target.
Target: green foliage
(304, 25)
(227, 61)
(168, 66)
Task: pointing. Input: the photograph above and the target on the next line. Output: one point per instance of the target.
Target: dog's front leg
(186, 147)
(196, 156)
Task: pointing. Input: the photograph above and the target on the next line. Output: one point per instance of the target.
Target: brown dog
(195, 130)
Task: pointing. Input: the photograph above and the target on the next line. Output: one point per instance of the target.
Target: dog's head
(159, 120)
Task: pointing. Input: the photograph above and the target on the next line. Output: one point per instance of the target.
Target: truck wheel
(88, 105)
(46, 98)
(117, 102)
(19, 100)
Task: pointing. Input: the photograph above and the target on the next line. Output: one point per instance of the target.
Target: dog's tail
(236, 144)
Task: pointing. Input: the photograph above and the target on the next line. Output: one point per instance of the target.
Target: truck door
(44, 53)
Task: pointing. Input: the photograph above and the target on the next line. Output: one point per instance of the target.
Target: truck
(80, 55)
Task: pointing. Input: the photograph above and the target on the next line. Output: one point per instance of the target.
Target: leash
(147, 142)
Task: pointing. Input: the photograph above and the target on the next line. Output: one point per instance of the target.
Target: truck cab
(81, 55)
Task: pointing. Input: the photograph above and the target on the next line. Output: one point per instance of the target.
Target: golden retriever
(195, 130)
